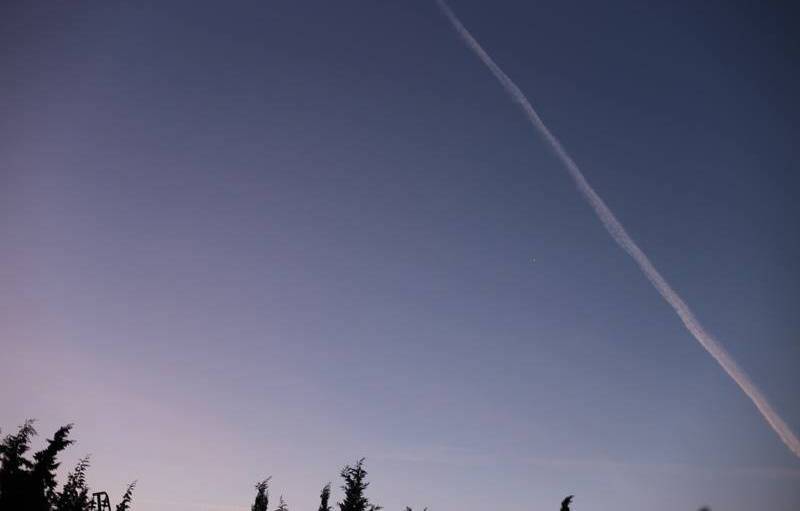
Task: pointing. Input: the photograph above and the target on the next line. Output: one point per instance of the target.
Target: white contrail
(623, 239)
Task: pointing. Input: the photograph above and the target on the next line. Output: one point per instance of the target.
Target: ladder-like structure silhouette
(100, 501)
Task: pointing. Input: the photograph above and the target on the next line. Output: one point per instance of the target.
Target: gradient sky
(273, 237)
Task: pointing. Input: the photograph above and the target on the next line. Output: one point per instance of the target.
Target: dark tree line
(354, 487)
(29, 483)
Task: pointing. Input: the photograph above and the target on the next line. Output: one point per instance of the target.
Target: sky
(270, 238)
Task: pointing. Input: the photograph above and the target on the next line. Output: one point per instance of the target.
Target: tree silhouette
(45, 465)
(324, 497)
(30, 485)
(75, 494)
(355, 484)
(15, 483)
(127, 497)
(262, 495)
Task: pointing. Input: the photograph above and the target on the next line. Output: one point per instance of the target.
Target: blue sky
(271, 238)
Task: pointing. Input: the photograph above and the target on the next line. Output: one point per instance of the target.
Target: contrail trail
(624, 240)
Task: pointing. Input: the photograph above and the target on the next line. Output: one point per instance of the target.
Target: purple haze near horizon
(275, 237)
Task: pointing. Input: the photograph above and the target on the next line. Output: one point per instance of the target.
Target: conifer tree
(15, 481)
(355, 484)
(262, 496)
(43, 473)
(324, 497)
(282, 505)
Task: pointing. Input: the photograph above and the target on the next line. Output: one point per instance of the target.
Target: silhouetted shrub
(262, 496)
(127, 498)
(324, 497)
(282, 505)
(75, 494)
